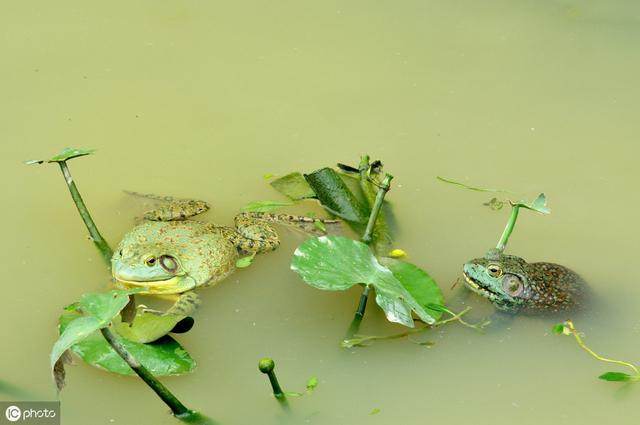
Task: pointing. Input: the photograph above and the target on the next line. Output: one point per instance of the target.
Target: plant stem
(96, 237)
(267, 366)
(385, 185)
(502, 243)
(573, 331)
(178, 409)
(363, 302)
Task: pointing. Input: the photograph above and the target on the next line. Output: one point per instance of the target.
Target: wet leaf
(162, 357)
(615, 376)
(294, 186)
(318, 224)
(336, 263)
(104, 306)
(64, 155)
(336, 197)
(147, 326)
(539, 204)
(245, 262)
(474, 188)
(419, 284)
(312, 383)
(495, 204)
(264, 206)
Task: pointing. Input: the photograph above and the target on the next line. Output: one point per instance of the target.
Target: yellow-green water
(201, 99)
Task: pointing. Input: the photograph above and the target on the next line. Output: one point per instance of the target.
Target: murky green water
(201, 99)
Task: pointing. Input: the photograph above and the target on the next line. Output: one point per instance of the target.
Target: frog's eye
(169, 263)
(512, 285)
(494, 270)
(150, 261)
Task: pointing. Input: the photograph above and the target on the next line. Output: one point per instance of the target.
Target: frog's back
(554, 289)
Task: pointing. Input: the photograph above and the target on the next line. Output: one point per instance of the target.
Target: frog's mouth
(478, 288)
(168, 286)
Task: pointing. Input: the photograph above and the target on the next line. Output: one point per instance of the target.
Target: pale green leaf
(264, 206)
(294, 186)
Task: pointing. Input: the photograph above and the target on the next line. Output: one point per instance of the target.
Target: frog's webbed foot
(255, 235)
(172, 208)
(185, 305)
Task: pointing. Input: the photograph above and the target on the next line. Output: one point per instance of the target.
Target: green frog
(170, 255)
(513, 285)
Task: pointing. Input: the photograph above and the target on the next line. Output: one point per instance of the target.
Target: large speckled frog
(168, 254)
(513, 285)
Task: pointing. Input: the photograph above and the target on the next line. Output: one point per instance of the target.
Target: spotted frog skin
(167, 254)
(513, 285)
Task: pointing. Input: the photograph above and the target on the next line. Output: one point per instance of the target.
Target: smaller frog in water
(513, 285)
(167, 254)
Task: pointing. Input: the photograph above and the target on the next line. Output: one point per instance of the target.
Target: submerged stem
(502, 243)
(178, 409)
(96, 237)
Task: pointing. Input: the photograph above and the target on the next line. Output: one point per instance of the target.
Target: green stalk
(178, 409)
(502, 243)
(96, 237)
(385, 185)
(267, 366)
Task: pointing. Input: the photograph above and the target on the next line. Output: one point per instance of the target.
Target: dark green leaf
(615, 376)
(264, 206)
(294, 186)
(336, 197)
(337, 263)
(162, 357)
(419, 284)
(558, 328)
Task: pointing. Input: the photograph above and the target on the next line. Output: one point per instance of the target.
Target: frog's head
(500, 278)
(155, 267)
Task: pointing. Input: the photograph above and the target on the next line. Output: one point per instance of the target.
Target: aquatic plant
(567, 328)
(538, 205)
(337, 263)
(97, 312)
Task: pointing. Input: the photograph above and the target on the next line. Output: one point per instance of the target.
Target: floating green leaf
(64, 155)
(558, 329)
(147, 326)
(419, 284)
(616, 376)
(162, 357)
(294, 186)
(539, 204)
(312, 383)
(337, 263)
(245, 262)
(265, 206)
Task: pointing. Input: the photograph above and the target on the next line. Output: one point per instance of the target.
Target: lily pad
(420, 285)
(162, 357)
(64, 155)
(294, 186)
(336, 263)
(100, 309)
(147, 326)
(265, 206)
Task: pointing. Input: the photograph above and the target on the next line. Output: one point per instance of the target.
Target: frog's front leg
(172, 208)
(185, 305)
